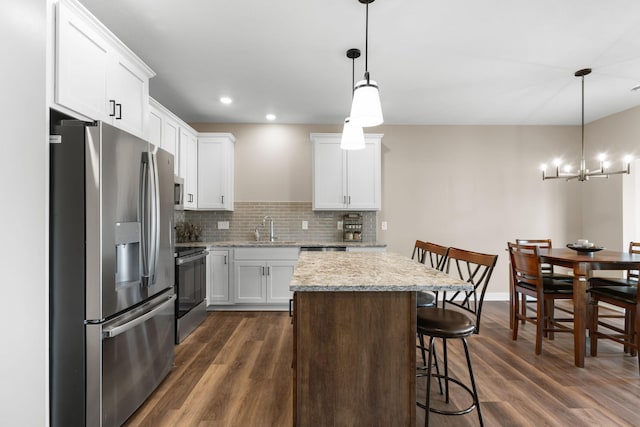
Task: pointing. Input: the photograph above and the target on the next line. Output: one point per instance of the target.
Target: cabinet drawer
(266, 253)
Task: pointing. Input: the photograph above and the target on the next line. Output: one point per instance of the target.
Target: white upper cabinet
(346, 179)
(189, 167)
(171, 141)
(169, 132)
(215, 171)
(156, 123)
(96, 76)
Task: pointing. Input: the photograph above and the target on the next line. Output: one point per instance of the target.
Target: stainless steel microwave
(178, 193)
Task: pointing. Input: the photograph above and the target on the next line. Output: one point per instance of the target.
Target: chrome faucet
(272, 236)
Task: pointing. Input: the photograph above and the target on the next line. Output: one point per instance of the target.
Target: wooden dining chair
(548, 272)
(620, 292)
(457, 318)
(528, 280)
(547, 269)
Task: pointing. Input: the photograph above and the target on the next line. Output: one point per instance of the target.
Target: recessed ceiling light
(226, 100)
(270, 116)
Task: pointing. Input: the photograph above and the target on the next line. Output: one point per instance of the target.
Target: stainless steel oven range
(191, 288)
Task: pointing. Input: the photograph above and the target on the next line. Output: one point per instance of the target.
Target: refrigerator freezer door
(130, 372)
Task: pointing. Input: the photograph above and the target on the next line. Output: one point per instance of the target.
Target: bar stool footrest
(465, 411)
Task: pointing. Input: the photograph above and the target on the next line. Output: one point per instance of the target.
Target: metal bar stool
(460, 321)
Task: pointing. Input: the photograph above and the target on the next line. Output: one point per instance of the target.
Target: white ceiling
(437, 62)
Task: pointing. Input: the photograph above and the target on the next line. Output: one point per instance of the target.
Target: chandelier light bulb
(567, 168)
(543, 167)
(557, 162)
(627, 159)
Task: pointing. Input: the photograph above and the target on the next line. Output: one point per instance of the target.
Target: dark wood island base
(354, 358)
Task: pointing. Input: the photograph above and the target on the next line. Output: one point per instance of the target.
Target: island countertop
(368, 272)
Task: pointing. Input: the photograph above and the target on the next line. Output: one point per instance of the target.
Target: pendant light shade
(352, 136)
(366, 110)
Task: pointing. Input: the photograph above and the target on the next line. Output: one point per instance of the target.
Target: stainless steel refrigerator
(111, 273)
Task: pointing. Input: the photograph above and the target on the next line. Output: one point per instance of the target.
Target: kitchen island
(355, 336)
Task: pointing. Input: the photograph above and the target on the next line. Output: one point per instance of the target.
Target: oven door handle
(184, 260)
(114, 331)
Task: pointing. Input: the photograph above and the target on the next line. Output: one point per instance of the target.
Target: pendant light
(352, 134)
(583, 174)
(366, 110)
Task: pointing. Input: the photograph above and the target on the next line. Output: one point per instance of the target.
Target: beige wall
(610, 206)
(474, 187)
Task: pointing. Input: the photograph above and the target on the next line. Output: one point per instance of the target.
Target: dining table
(582, 264)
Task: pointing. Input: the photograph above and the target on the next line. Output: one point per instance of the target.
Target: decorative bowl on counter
(584, 249)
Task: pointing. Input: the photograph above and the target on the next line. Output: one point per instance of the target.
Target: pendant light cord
(583, 119)
(353, 77)
(366, 45)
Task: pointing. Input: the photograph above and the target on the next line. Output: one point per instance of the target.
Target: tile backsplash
(287, 220)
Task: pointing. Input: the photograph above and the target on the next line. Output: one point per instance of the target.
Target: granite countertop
(280, 243)
(367, 272)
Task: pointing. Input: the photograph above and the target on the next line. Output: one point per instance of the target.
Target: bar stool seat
(443, 323)
(425, 299)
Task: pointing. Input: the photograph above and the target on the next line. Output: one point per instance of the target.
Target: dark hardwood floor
(235, 370)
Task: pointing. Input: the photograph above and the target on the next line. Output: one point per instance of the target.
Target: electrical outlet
(383, 225)
(339, 225)
(223, 225)
(305, 225)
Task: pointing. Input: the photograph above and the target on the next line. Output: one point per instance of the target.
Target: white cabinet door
(250, 284)
(363, 177)
(346, 179)
(215, 171)
(82, 58)
(171, 141)
(183, 149)
(218, 277)
(278, 279)
(191, 173)
(127, 94)
(329, 179)
(156, 124)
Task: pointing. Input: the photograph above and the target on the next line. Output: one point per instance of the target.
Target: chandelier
(583, 174)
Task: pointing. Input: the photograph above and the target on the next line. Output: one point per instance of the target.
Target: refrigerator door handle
(114, 331)
(143, 215)
(149, 214)
(155, 220)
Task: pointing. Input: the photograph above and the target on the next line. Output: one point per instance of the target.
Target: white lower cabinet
(218, 290)
(262, 275)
